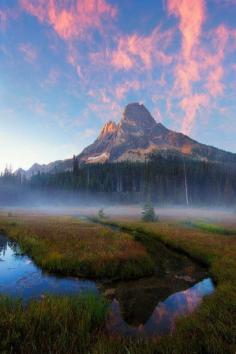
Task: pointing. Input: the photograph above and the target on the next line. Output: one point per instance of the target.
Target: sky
(68, 66)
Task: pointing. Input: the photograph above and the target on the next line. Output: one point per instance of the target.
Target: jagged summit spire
(108, 129)
(137, 117)
(136, 137)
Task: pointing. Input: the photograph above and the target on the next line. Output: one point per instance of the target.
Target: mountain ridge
(134, 138)
(138, 134)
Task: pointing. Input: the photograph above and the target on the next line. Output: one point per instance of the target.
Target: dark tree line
(8, 177)
(164, 180)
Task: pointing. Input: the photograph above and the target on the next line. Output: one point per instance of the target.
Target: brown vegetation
(69, 246)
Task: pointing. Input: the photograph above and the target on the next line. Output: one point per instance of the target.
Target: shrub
(101, 214)
(148, 213)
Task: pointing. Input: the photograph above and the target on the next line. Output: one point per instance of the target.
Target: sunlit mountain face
(136, 138)
(67, 67)
(138, 135)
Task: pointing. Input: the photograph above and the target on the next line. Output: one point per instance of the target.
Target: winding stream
(148, 306)
(19, 276)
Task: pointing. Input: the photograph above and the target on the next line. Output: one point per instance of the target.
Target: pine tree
(75, 166)
(148, 212)
(101, 214)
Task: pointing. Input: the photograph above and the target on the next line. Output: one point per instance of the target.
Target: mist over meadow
(165, 182)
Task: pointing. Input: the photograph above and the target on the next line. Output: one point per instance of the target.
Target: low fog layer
(219, 215)
(124, 205)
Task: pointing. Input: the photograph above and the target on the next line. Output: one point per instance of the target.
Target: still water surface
(147, 306)
(19, 276)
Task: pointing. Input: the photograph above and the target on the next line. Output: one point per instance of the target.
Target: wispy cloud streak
(71, 19)
(182, 64)
(29, 52)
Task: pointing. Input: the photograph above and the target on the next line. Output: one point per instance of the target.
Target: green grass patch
(213, 228)
(52, 325)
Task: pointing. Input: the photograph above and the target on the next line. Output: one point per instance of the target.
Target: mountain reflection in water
(20, 277)
(163, 318)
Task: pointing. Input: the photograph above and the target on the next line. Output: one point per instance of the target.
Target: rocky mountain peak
(108, 129)
(135, 137)
(137, 114)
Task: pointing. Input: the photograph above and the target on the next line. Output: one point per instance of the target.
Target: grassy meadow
(77, 325)
(69, 246)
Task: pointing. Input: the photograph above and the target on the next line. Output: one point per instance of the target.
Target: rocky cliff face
(135, 137)
(130, 139)
(138, 134)
(109, 129)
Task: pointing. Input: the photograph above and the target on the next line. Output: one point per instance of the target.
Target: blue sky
(68, 66)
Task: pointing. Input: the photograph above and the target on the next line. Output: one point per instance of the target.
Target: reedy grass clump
(52, 325)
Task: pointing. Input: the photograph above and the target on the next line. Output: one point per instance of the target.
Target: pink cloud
(142, 51)
(6, 15)
(52, 78)
(104, 98)
(122, 89)
(102, 58)
(74, 59)
(197, 63)
(163, 58)
(29, 52)
(122, 60)
(198, 66)
(191, 106)
(191, 14)
(214, 83)
(3, 19)
(213, 63)
(71, 19)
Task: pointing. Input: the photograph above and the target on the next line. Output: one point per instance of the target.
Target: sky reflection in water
(20, 277)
